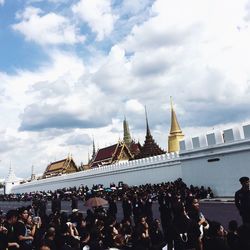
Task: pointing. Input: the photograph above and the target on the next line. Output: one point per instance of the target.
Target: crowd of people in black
(181, 224)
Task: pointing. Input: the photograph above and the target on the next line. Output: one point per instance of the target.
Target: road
(222, 212)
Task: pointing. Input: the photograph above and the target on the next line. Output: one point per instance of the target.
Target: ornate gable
(111, 154)
(64, 166)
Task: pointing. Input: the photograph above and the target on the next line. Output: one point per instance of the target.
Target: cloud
(79, 140)
(49, 28)
(40, 117)
(98, 15)
(2, 2)
(134, 106)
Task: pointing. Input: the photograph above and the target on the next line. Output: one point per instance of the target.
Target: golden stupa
(175, 134)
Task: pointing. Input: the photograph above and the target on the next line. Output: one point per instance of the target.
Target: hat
(244, 179)
(75, 210)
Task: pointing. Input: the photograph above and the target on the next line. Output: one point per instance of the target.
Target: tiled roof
(105, 153)
(110, 154)
(57, 165)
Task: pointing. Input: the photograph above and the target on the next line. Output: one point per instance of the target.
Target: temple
(175, 134)
(124, 150)
(64, 166)
(150, 147)
(111, 154)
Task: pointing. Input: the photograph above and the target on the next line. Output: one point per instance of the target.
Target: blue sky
(71, 70)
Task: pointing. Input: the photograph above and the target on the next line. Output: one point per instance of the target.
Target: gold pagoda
(175, 134)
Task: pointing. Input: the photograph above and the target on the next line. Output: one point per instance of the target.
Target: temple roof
(126, 133)
(175, 127)
(135, 148)
(59, 166)
(150, 147)
(11, 176)
(110, 154)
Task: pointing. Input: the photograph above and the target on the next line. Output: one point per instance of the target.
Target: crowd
(181, 224)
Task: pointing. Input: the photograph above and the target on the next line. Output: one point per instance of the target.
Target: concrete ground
(222, 210)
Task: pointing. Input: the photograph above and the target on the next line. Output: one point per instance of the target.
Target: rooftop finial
(171, 103)
(175, 134)
(175, 127)
(147, 126)
(126, 133)
(94, 151)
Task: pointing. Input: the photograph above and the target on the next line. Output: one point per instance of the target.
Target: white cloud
(1, 2)
(49, 28)
(134, 106)
(98, 14)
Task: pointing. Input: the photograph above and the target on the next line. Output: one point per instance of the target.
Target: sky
(71, 70)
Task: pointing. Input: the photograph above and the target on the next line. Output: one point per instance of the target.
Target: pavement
(218, 200)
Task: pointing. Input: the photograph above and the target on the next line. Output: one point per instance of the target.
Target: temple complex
(175, 134)
(124, 150)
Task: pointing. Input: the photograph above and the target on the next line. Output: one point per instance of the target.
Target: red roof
(108, 155)
(105, 153)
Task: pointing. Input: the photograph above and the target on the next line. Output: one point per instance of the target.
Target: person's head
(244, 181)
(232, 226)
(195, 204)
(45, 247)
(51, 233)
(216, 229)
(29, 220)
(11, 216)
(119, 240)
(143, 220)
(23, 214)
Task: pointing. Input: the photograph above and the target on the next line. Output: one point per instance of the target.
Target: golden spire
(175, 134)
(175, 127)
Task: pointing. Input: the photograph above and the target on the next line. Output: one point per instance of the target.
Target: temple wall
(216, 159)
(155, 169)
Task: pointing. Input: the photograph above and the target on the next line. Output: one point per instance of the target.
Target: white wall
(217, 161)
(149, 170)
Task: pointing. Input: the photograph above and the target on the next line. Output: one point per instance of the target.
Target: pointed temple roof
(94, 152)
(111, 154)
(126, 133)
(175, 127)
(61, 167)
(11, 176)
(150, 147)
(175, 134)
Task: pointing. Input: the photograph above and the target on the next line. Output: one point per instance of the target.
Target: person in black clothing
(156, 235)
(137, 208)
(148, 207)
(3, 238)
(21, 232)
(126, 207)
(56, 204)
(185, 232)
(112, 211)
(74, 202)
(242, 200)
(49, 238)
(232, 235)
(244, 239)
(166, 213)
(216, 238)
(11, 219)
